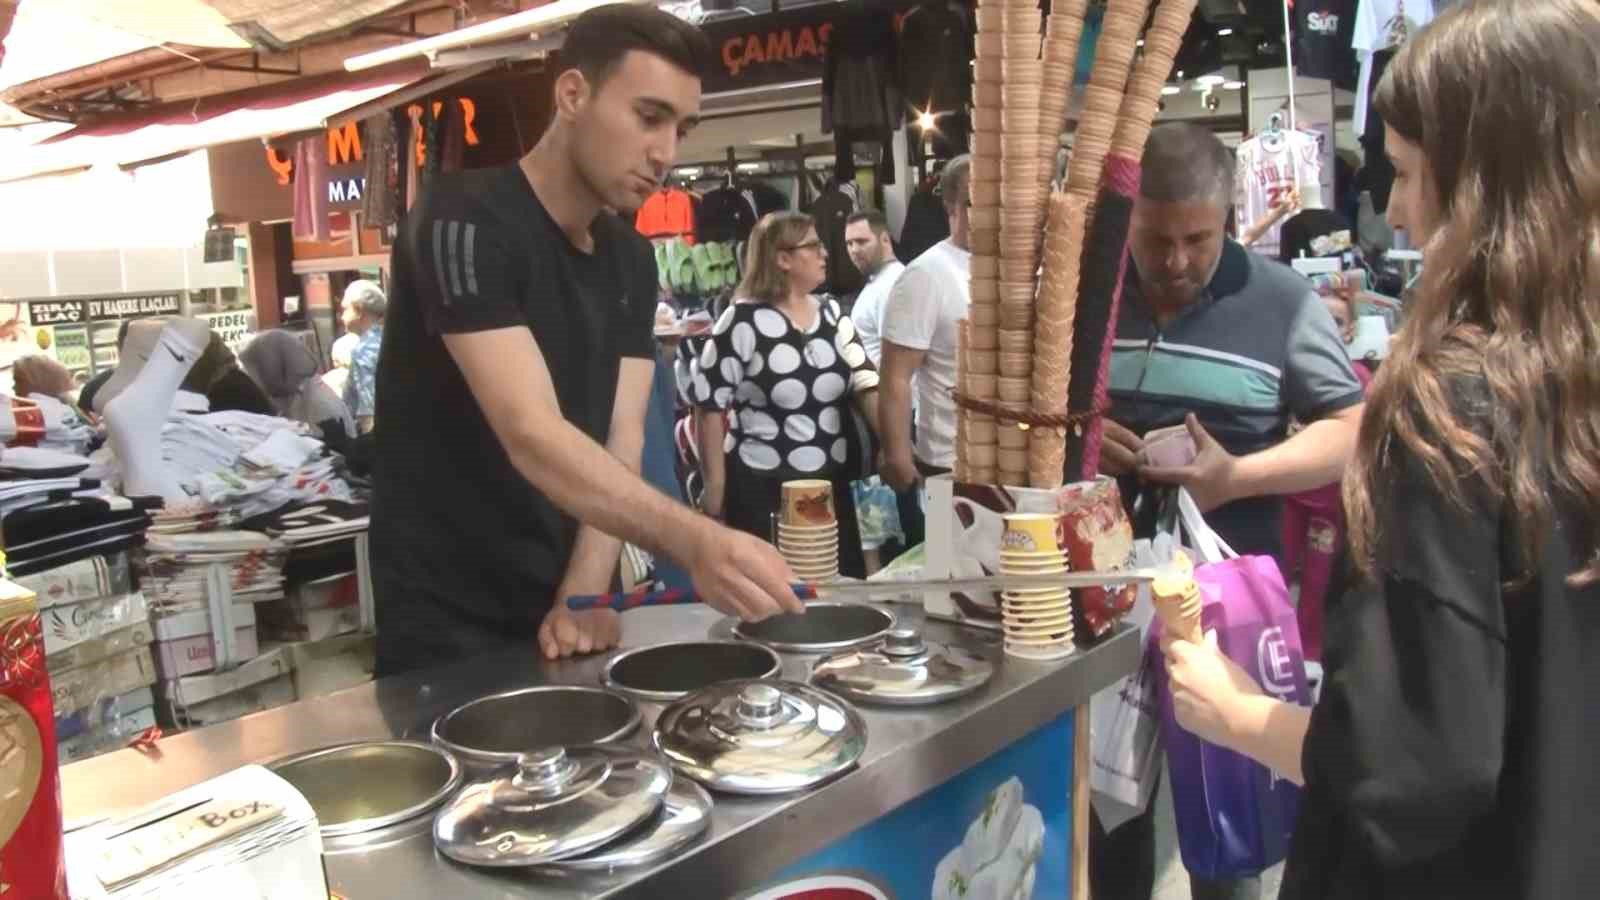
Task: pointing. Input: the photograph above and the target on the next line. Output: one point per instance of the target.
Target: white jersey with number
(1268, 169)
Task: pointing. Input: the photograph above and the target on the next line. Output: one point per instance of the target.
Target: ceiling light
(689, 172)
(1141, 42)
(1180, 74)
(925, 120)
(749, 166)
(1209, 81)
(1232, 85)
(1169, 90)
(1224, 32)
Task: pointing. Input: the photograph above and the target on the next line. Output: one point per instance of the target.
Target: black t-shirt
(1325, 30)
(450, 514)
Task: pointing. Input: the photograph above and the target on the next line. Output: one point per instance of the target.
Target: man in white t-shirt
(866, 236)
(921, 325)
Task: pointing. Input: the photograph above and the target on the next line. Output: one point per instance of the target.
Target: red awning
(264, 112)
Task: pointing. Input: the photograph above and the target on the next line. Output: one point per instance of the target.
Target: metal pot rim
(494, 758)
(831, 646)
(669, 696)
(415, 811)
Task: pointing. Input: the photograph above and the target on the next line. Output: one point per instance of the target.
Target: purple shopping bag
(1234, 816)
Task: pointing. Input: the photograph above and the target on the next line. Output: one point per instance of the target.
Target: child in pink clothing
(1313, 521)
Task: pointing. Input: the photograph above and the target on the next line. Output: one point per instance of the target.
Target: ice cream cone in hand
(1177, 599)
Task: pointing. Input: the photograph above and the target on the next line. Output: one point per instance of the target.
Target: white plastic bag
(1124, 720)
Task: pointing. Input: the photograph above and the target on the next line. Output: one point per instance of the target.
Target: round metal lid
(492, 731)
(826, 626)
(554, 804)
(903, 670)
(684, 816)
(761, 736)
(662, 673)
(370, 785)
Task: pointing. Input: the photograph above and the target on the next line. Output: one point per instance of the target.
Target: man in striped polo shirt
(1231, 343)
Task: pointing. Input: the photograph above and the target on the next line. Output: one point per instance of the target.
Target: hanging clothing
(1324, 32)
(926, 224)
(724, 216)
(668, 212)
(310, 192)
(1382, 25)
(831, 210)
(380, 199)
(1270, 165)
(858, 74)
(765, 198)
(1299, 233)
(935, 57)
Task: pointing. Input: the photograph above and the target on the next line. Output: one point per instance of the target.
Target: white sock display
(135, 416)
(136, 349)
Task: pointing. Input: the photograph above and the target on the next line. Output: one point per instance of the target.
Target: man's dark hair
(1185, 162)
(598, 39)
(875, 220)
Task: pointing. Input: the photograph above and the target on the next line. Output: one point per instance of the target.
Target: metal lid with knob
(902, 669)
(553, 804)
(684, 815)
(761, 736)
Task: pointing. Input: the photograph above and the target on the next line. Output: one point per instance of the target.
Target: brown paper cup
(1019, 269)
(1012, 364)
(1015, 316)
(986, 315)
(990, 43)
(983, 339)
(1016, 293)
(808, 502)
(984, 216)
(987, 94)
(985, 267)
(984, 292)
(1014, 390)
(988, 143)
(982, 362)
(986, 118)
(1012, 340)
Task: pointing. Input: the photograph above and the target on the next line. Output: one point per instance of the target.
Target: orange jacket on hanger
(668, 213)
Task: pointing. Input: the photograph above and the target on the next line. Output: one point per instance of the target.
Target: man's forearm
(711, 432)
(590, 484)
(1314, 457)
(595, 553)
(894, 419)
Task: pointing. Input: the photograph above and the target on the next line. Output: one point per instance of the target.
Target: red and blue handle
(670, 597)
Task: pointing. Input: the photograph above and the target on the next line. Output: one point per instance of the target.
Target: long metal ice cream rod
(808, 591)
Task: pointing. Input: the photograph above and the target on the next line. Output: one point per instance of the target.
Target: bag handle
(1205, 540)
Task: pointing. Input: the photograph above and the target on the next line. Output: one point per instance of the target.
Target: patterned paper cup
(1036, 532)
(808, 501)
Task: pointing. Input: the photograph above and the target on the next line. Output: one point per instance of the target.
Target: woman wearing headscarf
(217, 376)
(286, 369)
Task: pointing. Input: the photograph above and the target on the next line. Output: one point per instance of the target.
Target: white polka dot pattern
(789, 388)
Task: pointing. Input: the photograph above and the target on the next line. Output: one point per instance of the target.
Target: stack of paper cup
(1037, 623)
(808, 529)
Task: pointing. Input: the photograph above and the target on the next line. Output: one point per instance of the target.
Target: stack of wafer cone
(1062, 33)
(1102, 99)
(1176, 596)
(1021, 194)
(1143, 98)
(977, 365)
(1052, 336)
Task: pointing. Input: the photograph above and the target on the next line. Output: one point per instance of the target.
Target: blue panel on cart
(998, 831)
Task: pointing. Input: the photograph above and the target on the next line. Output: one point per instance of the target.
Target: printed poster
(1001, 830)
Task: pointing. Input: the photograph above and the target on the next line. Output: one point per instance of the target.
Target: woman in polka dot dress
(786, 364)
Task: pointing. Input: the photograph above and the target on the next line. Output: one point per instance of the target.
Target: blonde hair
(776, 233)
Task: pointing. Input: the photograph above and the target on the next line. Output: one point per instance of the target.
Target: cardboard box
(77, 687)
(85, 579)
(287, 623)
(194, 689)
(198, 653)
(333, 664)
(227, 707)
(68, 624)
(139, 634)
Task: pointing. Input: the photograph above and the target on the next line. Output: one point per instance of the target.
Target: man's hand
(1211, 478)
(1119, 450)
(741, 575)
(899, 473)
(566, 632)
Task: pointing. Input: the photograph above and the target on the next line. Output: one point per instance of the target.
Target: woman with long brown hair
(1452, 751)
